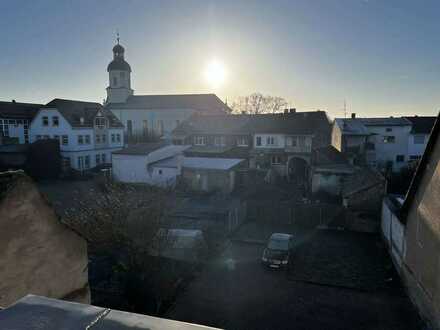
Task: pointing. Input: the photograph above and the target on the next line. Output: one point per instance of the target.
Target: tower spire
(117, 36)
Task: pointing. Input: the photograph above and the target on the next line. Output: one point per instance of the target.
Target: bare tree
(124, 222)
(258, 103)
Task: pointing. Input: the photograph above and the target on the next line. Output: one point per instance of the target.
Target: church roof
(73, 111)
(201, 102)
(16, 110)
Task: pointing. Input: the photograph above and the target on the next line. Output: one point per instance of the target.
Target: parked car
(278, 251)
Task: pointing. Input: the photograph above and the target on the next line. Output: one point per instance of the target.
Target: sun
(215, 73)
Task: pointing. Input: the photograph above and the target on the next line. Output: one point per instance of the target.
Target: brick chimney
(286, 110)
(292, 110)
(353, 115)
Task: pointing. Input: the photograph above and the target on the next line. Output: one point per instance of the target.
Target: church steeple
(119, 71)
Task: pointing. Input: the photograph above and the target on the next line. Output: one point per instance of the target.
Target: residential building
(383, 143)
(282, 142)
(419, 136)
(151, 163)
(40, 254)
(15, 118)
(411, 227)
(87, 132)
(148, 117)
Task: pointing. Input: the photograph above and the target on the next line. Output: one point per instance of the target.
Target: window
(415, 157)
(145, 128)
(270, 141)
(38, 137)
(104, 138)
(160, 172)
(87, 161)
(118, 137)
(258, 143)
(87, 139)
(160, 127)
(80, 162)
(115, 81)
(45, 120)
(57, 137)
(103, 158)
(98, 138)
(80, 139)
(242, 141)
(389, 139)
(100, 122)
(200, 140)
(419, 139)
(389, 129)
(46, 137)
(55, 121)
(113, 138)
(129, 127)
(400, 158)
(291, 141)
(97, 159)
(219, 140)
(65, 140)
(276, 160)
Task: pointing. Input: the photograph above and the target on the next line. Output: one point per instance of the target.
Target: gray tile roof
(73, 111)
(388, 121)
(202, 102)
(421, 125)
(140, 148)
(16, 110)
(301, 123)
(37, 313)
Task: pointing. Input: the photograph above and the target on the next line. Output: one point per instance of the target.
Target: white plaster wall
(280, 141)
(130, 168)
(16, 131)
(416, 149)
(168, 116)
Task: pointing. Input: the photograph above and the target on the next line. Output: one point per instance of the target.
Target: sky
(381, 56)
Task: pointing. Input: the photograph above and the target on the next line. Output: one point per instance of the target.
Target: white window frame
(219, 141)
(242, 141)
(199, 140)
(275, 160)
(100, 122)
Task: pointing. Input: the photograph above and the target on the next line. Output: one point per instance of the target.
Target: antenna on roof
(345, 108)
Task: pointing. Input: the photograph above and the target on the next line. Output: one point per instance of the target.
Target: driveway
(236, 292)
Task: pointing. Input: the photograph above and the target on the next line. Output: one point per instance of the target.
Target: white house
(87, 132)
(15, 118)
(151, 163)
(147, 116)
(382, 142)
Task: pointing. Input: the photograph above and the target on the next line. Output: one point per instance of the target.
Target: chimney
(292, 110)
(353, 115)
(13, 101)
(243, 112)
(286, 110)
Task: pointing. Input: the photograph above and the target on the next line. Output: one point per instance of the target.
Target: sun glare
(215, 73)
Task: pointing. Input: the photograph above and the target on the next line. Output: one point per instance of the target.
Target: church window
(115, 81)
(45, 121)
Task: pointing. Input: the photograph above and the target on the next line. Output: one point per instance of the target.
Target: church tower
(119, 88)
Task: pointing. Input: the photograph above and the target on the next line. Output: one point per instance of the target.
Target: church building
(150, 117)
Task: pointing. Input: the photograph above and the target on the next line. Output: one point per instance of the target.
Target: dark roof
(328, 155)
(421, 125)
(310, 122)
(421, 168)
(140, 148)
(386, 121)
(214, 124)
(119, 64)
(280, 123)
(16, 110)
(201, 102)
(73, 111)
(364, 178)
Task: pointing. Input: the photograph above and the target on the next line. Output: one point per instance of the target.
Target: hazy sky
(382, 56)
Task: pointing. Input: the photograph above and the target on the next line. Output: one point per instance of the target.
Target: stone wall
(39, 255)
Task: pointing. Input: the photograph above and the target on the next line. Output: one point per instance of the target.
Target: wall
(39, 255)
(208, 180)
(130, 168)
(336, 139)
(416, 149)
(423, 240)
(137, 116)
(327, 182)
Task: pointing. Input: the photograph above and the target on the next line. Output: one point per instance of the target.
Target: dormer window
(100, 122)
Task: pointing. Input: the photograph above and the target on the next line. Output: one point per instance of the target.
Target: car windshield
(278, 244)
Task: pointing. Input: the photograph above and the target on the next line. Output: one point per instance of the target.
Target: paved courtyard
(340, 280)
